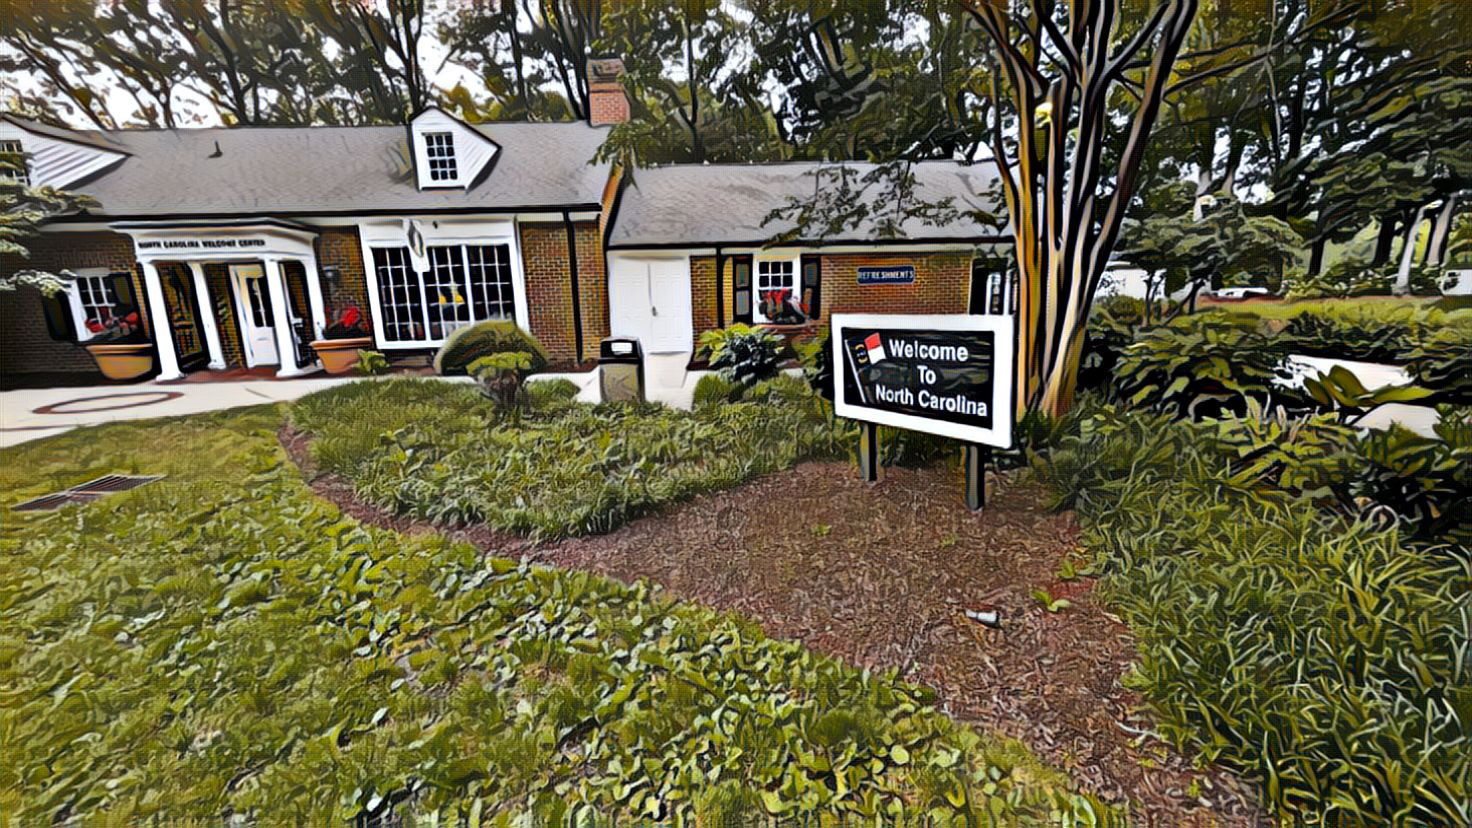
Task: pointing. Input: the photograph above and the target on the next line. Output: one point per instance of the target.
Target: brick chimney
(607, 103)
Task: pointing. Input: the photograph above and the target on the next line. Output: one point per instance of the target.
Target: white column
(281, 313)
(314, 295)
(207, 314)
(163, 332)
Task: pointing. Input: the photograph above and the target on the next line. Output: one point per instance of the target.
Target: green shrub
(1442, 362)
(1426, 483)
(816, 355)
(743, 354)
(550, 395)
(500, 376)
(715, 389)
(1322, 657)
(1350, 276)
(1111, 330)
(783, 388)
(467, 344)
(1201, 365)
(372, 363)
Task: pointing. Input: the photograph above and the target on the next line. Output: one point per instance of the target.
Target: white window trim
(388, 232)
(74, 299)
(757, 317)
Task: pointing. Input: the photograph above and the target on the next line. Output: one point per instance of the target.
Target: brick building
(239, 247)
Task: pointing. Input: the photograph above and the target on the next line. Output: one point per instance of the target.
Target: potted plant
(342, 340)
(119, 347)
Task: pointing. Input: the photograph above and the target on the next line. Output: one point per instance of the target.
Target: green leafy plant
(715, 389)
(466, 345)
(1201, 365)
(743, 354)
(549, 395)
(1442, 362)
(372, 363)
(1050, 603)
(1274, 633)
(435, 451)
(1339, 390)
(1426, 483)
(500, 376)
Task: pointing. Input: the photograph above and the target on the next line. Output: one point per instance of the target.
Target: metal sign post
(949, 375)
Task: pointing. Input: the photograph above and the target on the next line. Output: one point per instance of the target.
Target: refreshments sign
(943, 374)
(892, 275)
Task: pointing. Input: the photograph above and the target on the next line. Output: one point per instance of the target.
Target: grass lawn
(224, 642)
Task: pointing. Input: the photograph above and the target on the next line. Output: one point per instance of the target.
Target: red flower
(132, 318)
(350, 316)
(94, 326)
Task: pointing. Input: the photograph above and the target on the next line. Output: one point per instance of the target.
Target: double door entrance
(650, 299)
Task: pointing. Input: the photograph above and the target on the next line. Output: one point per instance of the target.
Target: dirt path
(880, 576)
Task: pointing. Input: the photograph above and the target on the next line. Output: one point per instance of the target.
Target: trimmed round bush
(484, 339)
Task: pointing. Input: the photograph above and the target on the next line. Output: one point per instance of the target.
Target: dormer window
(13, 152)
(447, 151)
(439, 149)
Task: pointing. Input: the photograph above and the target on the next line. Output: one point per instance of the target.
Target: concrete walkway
(62, 409)
(94, 405)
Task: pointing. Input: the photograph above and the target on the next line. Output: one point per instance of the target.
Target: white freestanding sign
(949, 374)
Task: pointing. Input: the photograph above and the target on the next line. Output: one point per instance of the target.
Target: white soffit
(54, 162)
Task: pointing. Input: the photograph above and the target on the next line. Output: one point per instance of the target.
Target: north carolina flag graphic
(875, 348)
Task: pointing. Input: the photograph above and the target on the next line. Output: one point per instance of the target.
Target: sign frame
(1003, 329)
(875, 274)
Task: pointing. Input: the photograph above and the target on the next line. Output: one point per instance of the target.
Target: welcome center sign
(943, 374)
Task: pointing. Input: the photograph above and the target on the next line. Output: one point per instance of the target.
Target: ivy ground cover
(439, 452)
(223, 643)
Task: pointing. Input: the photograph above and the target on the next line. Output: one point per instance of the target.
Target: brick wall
(942, 285)
(549, 288)
(26, 346)
(339, 247)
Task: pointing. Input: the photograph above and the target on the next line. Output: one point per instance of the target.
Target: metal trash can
(621, 370)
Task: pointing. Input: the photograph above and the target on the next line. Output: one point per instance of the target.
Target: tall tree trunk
(1385, 239)
(1316, 255)
(1408, 252)
(1436, 246)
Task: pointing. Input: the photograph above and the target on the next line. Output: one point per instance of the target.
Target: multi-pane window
(11, 151)
(490, 281)
(97, 298)
(444, 290)
(464, 284)
(400, 296)
(439, 149)
(776, 289)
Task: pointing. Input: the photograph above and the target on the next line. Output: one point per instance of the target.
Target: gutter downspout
(577, 299)
(720, 288)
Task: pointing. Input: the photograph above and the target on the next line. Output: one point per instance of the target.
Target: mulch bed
(881, 576)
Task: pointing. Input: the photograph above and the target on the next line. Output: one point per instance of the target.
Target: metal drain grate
(86, 492)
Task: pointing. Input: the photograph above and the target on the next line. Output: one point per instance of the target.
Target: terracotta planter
(340, 356)
(123, 361)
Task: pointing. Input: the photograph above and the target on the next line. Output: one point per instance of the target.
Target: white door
(257, 328)
(650, 299)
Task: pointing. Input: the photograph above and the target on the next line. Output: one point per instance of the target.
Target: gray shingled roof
(703, 205)
(325, 170)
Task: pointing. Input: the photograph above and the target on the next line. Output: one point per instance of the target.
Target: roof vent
(86, 492)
